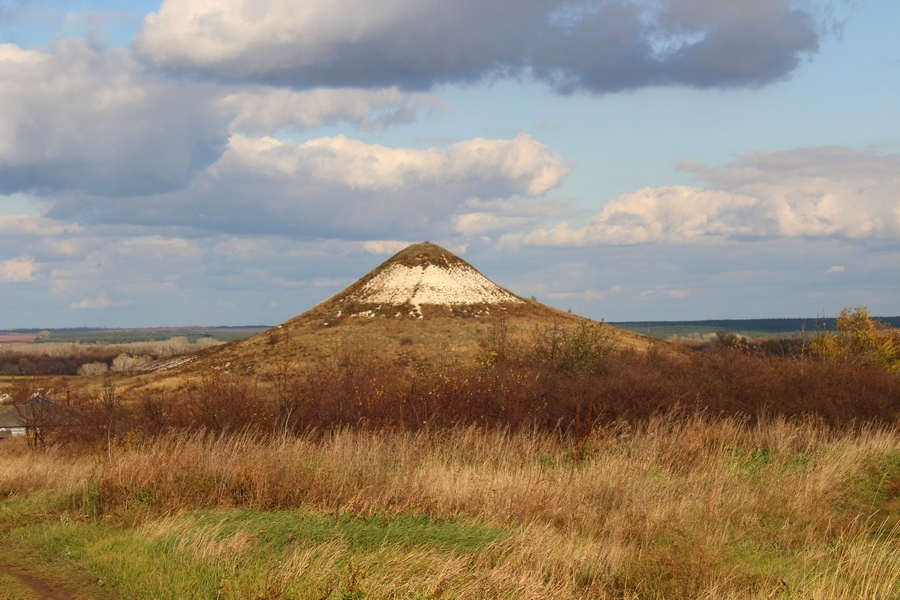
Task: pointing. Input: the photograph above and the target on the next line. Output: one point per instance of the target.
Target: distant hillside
(91, 335)
(750, 328)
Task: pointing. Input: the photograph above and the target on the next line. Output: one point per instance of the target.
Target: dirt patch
(42, 590)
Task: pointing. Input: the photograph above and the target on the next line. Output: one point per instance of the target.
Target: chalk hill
(424, 304)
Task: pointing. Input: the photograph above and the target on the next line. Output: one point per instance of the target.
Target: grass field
(685, 507)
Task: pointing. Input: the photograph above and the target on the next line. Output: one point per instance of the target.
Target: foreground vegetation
(676, 507)
(560, 468)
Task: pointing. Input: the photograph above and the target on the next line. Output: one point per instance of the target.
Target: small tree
(126, 362)
(93, 369)
(39, 416)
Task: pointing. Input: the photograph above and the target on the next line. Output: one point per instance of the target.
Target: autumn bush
(859, 340)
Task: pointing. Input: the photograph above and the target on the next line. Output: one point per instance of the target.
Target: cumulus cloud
(338, 187)
(100, 301)
(587, 295)
(78, 118)
(832, 192)
(81, 121)
(18, 270)
(521, 165)
(598, 46)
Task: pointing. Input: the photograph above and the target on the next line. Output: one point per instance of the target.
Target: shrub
(93, 369)
(126, 362)
(859, 340)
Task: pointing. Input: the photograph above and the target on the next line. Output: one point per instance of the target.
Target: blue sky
(235, 161)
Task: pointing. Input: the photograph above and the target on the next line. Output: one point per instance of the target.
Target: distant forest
(750, 328)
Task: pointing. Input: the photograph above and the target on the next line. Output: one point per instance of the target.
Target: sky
(233, 162)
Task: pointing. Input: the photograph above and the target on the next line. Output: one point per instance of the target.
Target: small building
(32, 418)
(12, 424)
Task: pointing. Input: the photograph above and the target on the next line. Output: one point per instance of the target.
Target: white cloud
(338, 187)
(520, 166)
(836, 269)
(817, 192)
(18, 270)
(587, 295)
(384, 247)
(669, 214)
(10, 53)
(13, 225)
(77, 118)
(100, 301)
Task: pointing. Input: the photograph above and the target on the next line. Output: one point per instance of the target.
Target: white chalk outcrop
(422, 276)
(399, 284)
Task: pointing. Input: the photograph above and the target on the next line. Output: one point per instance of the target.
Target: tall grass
(681, 506)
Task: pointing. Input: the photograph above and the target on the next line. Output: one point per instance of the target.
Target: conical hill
(424, 304)
(421, 280)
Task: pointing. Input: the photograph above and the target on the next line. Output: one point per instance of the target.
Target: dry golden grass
(677, 507)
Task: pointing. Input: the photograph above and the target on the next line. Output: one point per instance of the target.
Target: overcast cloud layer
(238, 161)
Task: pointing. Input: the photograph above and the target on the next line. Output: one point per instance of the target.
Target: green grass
(245, 554)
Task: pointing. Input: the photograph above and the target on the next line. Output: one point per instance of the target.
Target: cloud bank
(79, 119)
(335, 187)
(598, 46)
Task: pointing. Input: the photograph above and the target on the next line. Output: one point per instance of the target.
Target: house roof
(10, 418)
(27, 413)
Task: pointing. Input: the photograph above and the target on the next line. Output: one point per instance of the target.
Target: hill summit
(423, 279)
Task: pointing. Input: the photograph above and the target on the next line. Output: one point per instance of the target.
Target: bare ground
(42, 590)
